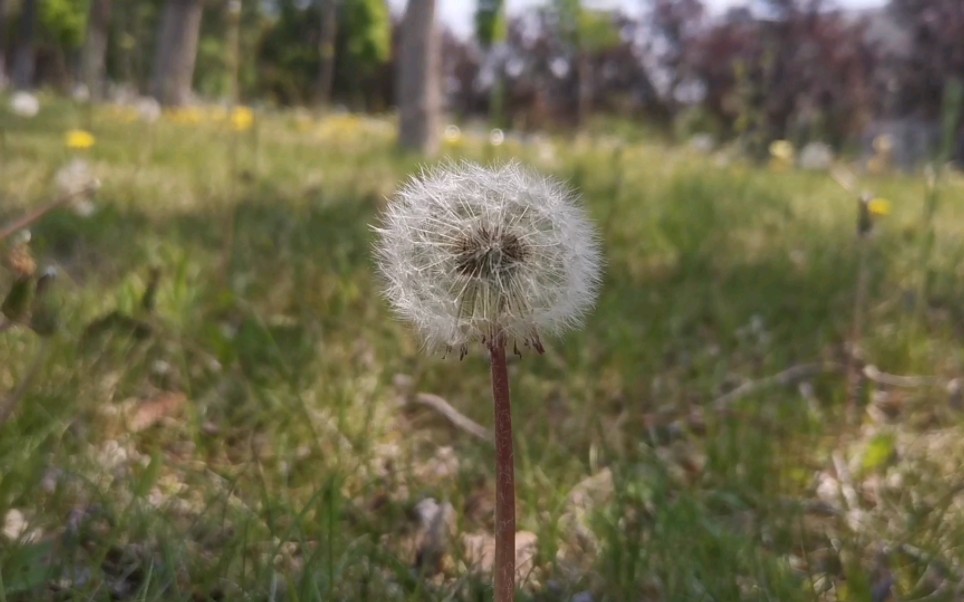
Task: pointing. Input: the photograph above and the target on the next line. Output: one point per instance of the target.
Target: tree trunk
(95, 49)
(418, 94)
(3, 44)
(326, 50)
(176, 52)
(25, 60)
(584, 100)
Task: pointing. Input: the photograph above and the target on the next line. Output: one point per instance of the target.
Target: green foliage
(588, 29)
(368, 25)
(597, 31)
(65, 21)
(490, 22)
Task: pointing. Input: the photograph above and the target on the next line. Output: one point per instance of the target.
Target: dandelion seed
(496, 137)
(470, 253)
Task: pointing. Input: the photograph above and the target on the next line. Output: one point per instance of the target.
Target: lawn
(229, 410)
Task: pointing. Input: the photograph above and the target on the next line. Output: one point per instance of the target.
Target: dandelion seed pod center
(489, 254)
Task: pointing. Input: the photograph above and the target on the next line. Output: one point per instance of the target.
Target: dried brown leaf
(149, 412)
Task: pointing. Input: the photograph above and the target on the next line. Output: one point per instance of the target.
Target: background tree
(25, 59)
(368, 44)
(289, 63)
(490, 31)
(95, 48)
(418, 79)
(177, 46)
(587, 33)
(927, 74)
(3, 43)
(328, 10)
(802, 73)
(671, 28)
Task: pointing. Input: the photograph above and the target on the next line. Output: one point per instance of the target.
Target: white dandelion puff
(470, 253)
(24, 104)
(77, 181)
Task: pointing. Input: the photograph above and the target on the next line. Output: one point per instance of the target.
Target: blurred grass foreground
(223, 408)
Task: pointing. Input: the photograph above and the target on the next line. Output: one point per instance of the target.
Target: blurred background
(203, 395)
(839, 72)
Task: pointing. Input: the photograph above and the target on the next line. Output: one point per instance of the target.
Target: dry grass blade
(458, 419)
(786, 377)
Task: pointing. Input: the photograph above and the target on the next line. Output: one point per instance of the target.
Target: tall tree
(177, 46)
(25, 59)
(3, 43)
(418, 93)
(586, 32)
(935, 54)
(490, 29)
(95, 48)
(328, 10)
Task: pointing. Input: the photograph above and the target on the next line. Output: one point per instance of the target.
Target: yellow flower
(782, 151)
(242, 119)
(79, 139)
(185, 115)
(879, 207)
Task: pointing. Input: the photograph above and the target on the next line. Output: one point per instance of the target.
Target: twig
(458, 419)
(949, 570)
(895, 380)
(786, 377)
(38, 213)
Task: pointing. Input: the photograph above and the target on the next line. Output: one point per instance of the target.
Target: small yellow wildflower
(79, 139)
(879, 207)
(185, 115)
(782, 151)
(242, 118)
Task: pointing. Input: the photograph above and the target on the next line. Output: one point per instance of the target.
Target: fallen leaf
(148, 413)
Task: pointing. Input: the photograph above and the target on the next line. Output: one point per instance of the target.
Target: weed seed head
(469, 253)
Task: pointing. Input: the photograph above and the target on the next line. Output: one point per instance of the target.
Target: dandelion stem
(505, 476)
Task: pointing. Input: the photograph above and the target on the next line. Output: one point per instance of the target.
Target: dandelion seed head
(470, 253)
(77, 179)
(24, 104)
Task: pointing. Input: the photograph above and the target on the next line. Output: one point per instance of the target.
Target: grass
(295, 468)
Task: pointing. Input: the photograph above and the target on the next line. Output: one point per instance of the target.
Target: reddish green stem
(504, 567)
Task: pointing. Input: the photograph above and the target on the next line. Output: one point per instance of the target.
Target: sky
(457, 14)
